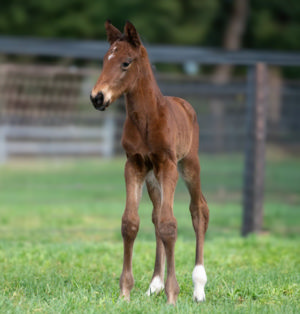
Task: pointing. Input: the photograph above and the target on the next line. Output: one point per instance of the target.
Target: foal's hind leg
(157, 281)
(190, 170)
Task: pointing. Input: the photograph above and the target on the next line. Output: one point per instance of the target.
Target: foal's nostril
(99, 98)
(97, 101)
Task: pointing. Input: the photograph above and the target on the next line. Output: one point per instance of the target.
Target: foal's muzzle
(98, 101)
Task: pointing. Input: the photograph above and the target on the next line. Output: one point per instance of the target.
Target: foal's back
(184, 125)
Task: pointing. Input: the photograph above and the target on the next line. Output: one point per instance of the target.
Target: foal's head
(120, 66)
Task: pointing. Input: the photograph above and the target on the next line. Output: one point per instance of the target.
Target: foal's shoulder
(183, 104)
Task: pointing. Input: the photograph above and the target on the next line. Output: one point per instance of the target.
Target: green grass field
(61, 247)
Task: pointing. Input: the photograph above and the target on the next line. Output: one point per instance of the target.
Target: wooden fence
(57, 140)
(256, 63)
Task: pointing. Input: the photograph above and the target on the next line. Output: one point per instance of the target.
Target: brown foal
(160, 137)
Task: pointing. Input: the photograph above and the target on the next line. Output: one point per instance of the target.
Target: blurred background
(56, 150)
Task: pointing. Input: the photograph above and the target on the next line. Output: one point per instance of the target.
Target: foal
(160, 133)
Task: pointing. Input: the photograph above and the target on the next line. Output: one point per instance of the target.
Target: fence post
(255, 149)
(3, 148)
(109, 135)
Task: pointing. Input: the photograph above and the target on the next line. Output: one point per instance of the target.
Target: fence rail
(95, 50)
(66, 140)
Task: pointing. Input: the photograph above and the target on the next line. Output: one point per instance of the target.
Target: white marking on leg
(199, 280)
(156, 286)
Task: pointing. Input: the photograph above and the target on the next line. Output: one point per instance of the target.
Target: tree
(272, 24)
(232, 40)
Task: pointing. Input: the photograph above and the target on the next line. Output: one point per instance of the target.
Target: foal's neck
(145, 96)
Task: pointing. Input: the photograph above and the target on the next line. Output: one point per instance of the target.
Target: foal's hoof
(171, 300)
(156, 286)
(125, 296)
(199, 296)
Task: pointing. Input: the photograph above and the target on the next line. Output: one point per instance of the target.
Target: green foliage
(275, 24)
(49, 18)
(272, 24)
(157, 21)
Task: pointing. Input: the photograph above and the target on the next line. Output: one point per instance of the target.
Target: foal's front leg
(135, 173)
(167, 176)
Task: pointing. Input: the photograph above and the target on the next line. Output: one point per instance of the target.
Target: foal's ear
(132, 35)
(112, 32)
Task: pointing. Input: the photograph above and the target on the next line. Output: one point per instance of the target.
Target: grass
(61, 248)
(83, 277)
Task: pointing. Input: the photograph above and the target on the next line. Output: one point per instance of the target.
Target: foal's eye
(125, 65)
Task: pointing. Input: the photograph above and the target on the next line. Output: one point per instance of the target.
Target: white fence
(57, 140)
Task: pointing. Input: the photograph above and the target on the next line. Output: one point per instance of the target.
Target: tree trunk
(232, 41)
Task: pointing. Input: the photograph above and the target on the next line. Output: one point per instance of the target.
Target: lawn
(61, 247)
